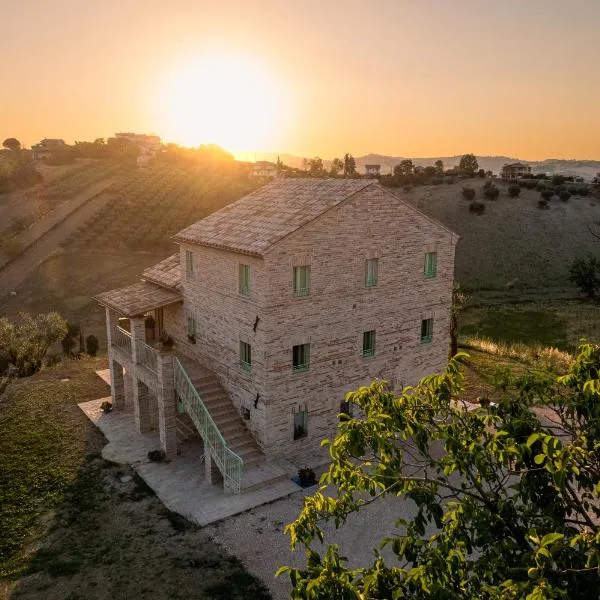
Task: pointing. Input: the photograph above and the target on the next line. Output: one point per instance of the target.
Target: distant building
(149, 145)
(46, 147)
(264, 168)
(373, 170)
(515, 171)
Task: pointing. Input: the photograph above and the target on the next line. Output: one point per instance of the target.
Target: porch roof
(138, 298)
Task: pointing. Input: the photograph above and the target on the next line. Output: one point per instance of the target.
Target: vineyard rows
(156, 203)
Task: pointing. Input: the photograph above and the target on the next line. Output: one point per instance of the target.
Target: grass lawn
(71, 529)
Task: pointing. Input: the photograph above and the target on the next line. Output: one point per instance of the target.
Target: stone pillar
(138, 332)
(141, 405)
(117, 384)
(167, 407)
(110, 323)
(212, 474)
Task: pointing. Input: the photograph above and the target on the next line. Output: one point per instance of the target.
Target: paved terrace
(180, 483)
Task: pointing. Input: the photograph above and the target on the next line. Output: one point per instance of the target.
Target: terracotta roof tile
(257, 221)
(138, 298)
(166, 273)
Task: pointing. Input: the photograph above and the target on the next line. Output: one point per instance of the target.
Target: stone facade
(332, 318)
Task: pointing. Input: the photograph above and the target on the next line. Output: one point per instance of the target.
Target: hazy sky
(411, 78)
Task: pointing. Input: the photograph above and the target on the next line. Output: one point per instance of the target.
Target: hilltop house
(46, 148)
(373, 170)
(515, 171)
(278, 305)
(264, 168)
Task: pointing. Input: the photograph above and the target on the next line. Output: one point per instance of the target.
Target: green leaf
(539, 459)
(534, 437)
(550, 538)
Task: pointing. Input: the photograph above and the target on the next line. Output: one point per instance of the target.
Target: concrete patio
(180, 483)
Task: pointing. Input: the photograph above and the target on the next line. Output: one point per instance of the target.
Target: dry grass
(71, 529)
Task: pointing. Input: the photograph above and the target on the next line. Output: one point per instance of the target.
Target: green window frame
(371, 268)
(301, 276)
(301, 358)
(244, 280)
(189, 262)
(246, 356)
(430, 266)
(426, 331)
(300, 423)
(369, 343)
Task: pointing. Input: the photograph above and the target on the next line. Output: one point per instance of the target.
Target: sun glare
(221, 100)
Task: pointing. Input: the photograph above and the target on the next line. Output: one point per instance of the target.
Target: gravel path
(257, 539)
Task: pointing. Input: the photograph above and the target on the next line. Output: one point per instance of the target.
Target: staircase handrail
(229, 463)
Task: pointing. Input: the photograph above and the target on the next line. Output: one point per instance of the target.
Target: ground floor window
(245, 356)
(369, 343)
(301, 423)
(426, 330)
(301, 357)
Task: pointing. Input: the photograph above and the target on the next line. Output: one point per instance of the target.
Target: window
(189, 262)
(426, 330)
(371, 272)
(345, 410)
(191, 328)
(301, 423)
(301, 281)
(301, 357)
(246, 356)
(244, 277)
(369, 343)
(430, 268)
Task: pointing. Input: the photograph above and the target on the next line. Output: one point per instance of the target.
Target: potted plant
(165, 341)
(106, 406)
(307, 477)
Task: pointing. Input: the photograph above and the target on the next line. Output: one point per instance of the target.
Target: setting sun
(221, 100)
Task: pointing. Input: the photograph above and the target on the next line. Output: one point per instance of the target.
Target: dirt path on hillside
(13, 274)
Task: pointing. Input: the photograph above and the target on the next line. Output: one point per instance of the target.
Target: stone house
(264, 168)
(278, 305)
(515, 171)
(373, 170)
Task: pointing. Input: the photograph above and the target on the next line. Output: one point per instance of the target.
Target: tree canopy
(511, 490)
(12, 144)
(468, 163)
(349, 165)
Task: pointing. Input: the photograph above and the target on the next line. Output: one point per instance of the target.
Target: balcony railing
(146, 356)
(121, 339)
(228, 462)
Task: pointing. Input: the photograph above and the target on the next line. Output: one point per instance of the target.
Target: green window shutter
(371, 265)
(430, 268)
(244, 279)
(426, 330)
(301, 276)
(246, 356)
(369, 343)
(189, 262)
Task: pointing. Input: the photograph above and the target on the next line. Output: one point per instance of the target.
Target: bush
(547, 194)
(477, 208)
(583, 190)
(573, 190)
(468, 193)
(543, 203)
(514, 190)
(564, 195)
(530, 184)
(585, 274)
(540, 186)
(491, 192)
(558, 180)
(91, 345)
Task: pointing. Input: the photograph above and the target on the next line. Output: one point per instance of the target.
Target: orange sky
(407, 78)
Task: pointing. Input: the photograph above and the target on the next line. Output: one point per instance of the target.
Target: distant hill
(579, 168)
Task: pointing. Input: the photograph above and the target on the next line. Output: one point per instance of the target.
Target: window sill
(368, 353)
(370, 285)
(301, 293)
(246, 367)
(300, 368)
(430, 275)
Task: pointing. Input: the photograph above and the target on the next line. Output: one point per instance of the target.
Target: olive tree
(511, 489)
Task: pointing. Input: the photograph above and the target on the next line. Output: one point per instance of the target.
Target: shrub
(530, 184)
(468, 193)
(514, 190)
(477, 208)
(585, 274)
(491, 192)
(547, 194)
(558, 180)
(540, 186)
(573, 190)
(437, 180)
(487, 185)
(91, 345)
(583, 190)
(543, 203)
(481, 173)
(564, 195)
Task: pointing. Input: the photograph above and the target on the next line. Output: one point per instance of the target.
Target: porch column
(117, 383)
(212, 474)
(167, 410)
(138, 332)
(141, 405)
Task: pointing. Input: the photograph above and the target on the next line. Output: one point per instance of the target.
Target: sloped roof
(257, 221)
(166, 273)
(138, 298)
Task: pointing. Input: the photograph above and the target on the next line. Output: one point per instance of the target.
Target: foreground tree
(513, 497)
(24, 344)
(468, 163)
